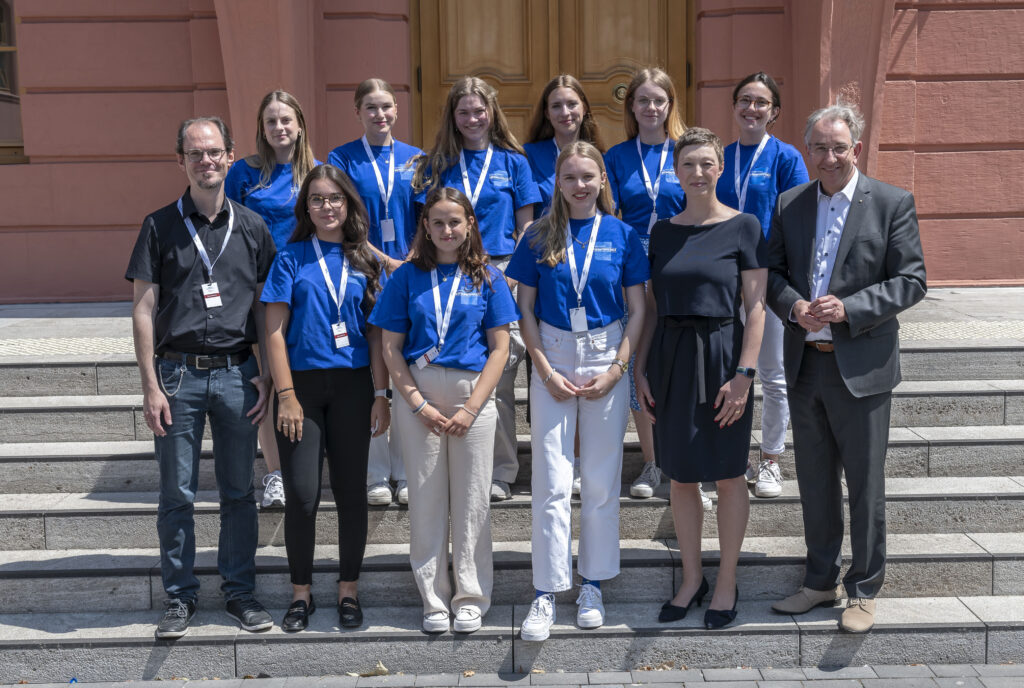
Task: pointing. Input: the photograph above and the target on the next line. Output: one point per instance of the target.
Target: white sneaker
(500, 491)
(591, 613)
(645, 483)
(379, 494)
(467, 619)
(273, 490)
(402, 490)
(705, 501)
(576, 482)
(537, 624)
(751, 473)
(435, 622)
(769, 480)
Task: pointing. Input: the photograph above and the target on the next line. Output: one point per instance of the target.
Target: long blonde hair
(448, 144)
(549, 231)
(302, 156)
(674, 125)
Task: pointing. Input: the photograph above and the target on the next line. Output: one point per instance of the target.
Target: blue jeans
(226, 395)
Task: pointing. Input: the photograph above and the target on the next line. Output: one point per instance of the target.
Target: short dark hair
(229, 145)
(698, 136)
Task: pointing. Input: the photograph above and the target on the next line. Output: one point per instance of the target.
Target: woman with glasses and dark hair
(268, 183)
(326, 364)
(758, 167)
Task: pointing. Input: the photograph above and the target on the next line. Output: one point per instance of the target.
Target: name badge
(211, 295)
(578, 319)
(387, 229)
(424, 360)
(654, 218)
(340, 333)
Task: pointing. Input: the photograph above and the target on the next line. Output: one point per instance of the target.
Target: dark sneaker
(250, 614)
(174, 623)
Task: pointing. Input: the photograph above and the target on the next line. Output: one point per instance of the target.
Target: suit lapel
(854, 222)
(809, 211)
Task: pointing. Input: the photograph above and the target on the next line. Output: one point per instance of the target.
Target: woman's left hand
(732, 400)
(380, 416)
(459, 423)
(599, 385)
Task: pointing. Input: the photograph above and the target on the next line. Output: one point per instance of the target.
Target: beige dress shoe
(805, 599)
(859, 615)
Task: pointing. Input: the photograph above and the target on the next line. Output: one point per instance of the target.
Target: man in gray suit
(844, 259)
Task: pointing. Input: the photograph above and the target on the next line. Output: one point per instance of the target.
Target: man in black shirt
(198, 268)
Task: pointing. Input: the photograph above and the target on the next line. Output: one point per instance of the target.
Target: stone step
(119, 645)
(769, 568)
(43, 467)
(120, 520)
(105, 418)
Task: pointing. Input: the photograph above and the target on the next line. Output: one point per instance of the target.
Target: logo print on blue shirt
(500, 179)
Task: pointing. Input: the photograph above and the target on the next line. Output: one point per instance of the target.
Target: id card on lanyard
(441, 318)
(655, 188)
(210, 290)
(339, 330)
(387, 223)
(473, 194)
(741, 189)
(578, 315)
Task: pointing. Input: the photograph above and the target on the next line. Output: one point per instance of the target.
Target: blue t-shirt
(407, 305)
(275, 203)
(351, 158)
(296, 279)
(629, 191)
(509, 187)
(542, 156)
(619, 261)
(779, 167)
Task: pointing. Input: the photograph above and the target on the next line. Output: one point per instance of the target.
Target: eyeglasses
(822, 151)
(658, 103)
(214, 154)
(316, 202)
(759, 103)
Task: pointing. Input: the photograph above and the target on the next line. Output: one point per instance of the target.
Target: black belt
(821, 345)
(207, 361)
(709, 347)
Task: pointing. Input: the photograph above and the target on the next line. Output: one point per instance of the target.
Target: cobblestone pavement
(913, 676)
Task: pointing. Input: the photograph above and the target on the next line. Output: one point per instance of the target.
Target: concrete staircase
(80, 588)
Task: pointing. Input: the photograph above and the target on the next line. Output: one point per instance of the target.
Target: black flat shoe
(670, 612)
(719, 618)
(350, 614)
(297, 617)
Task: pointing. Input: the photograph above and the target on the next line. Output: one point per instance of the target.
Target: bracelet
(286, 389)
(545, 380)
(419, 408)
(466, 409)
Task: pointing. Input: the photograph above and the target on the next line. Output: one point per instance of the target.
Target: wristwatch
(748, 372)
(623, 365)
(386, 393)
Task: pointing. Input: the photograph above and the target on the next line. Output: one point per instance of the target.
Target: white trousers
(602, 425)
(449, 487)
(775, 407)
(385, 460)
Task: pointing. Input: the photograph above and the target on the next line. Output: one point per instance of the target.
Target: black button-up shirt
(166, 255)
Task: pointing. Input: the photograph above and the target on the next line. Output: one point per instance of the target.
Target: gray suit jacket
(879, 271)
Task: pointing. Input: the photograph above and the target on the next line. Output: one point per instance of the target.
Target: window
(11, 145)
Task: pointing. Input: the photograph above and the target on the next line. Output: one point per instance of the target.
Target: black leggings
(336, 407)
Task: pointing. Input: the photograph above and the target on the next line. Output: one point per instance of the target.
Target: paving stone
(733, 674)
(494, 679)
(438, 680)
(610, 677)
(902, 682)
(668, 676)
(851, 672)
(953, 670)
(999, 670)
(392, 680)
(780, 684)
(902, 671)
(1000, 682)
(559, 679)
(782, 674)
(959, 682)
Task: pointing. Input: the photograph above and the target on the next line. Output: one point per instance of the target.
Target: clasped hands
(814, 315)
(595, 388)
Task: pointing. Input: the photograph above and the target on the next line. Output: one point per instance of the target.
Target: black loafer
(350, 614)
(297, 617)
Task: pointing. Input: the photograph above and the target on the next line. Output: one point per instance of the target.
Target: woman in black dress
(695, 366)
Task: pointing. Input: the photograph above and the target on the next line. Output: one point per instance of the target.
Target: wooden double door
(519, 45)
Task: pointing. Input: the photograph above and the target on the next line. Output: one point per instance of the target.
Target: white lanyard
(652, 190)
(474, 194)
(385, 194)
(579, 282)
(338, 295)
(203, 255)
(741, 192)
(444, 319)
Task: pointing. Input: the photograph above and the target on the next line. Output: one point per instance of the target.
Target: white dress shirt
(832, 212)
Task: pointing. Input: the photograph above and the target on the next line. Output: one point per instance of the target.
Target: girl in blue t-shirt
(381, 168)
(326, 363)
(573, 266)
(268, 183)
(752, 182)
(562, 116)
(645, 188)
(476, 153)
(445, 316)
